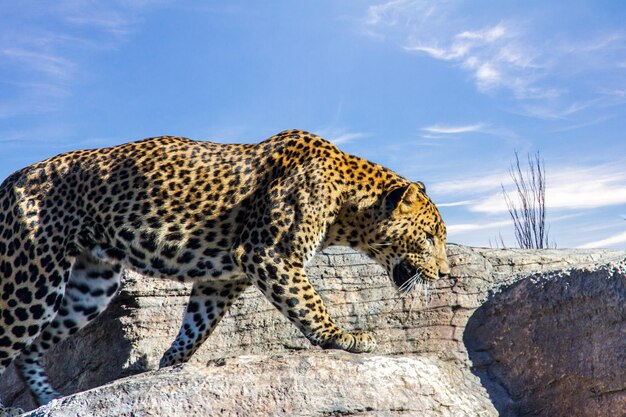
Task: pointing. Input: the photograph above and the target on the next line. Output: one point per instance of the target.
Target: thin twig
(529, 211)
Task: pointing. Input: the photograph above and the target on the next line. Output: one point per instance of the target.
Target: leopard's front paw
(358, 342)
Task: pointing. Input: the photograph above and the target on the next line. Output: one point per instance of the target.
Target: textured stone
(298, 384)
(555, 344)
(429, 324)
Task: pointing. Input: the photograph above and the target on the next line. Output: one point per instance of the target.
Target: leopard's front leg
(285, 285)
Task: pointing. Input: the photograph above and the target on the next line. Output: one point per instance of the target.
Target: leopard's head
(409, 238)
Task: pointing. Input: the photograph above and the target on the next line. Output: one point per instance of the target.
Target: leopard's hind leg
(208, 303)
(91, 286)
(32, 282)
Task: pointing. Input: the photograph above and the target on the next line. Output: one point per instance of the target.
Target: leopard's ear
(402, 198)
(394, 197)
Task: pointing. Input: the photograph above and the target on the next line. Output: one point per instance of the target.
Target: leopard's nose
(444, 270)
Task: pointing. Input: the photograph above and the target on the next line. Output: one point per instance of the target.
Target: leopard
(224, 217)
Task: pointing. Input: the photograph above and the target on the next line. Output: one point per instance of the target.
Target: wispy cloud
(480, 185)
(456, 203)
(340, 136)
(451, 129)
(496, 55)
(593, 122)
(46, 64)
(469, 227)
(394, 13)
(609, 241)
(49, 48)
(506, 54)
(568, 188)
(493, 55)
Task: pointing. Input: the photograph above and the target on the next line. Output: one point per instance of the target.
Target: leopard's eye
(430, 240)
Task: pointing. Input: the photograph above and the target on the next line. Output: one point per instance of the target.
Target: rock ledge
(313, 383)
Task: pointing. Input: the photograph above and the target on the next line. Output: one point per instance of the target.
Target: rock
(430, 325)
(555, 344)
(298, 384)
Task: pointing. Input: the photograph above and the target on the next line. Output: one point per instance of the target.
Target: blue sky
(440, 91)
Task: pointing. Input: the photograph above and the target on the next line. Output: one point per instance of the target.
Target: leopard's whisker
(407, 285)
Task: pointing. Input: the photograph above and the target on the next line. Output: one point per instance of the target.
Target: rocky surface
(500, 306)
(295, 385)
(555, 344)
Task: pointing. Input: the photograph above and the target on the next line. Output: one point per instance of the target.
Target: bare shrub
(528, 209)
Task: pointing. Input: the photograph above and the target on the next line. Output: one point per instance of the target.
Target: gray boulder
(469, 344)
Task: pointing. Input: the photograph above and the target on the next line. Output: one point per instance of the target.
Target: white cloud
(550, 111)
(346, 137)
(394, 12)
(455, 203)
(567, 188)
(340, 136)
(488, 35)
(496, 56)
(479, 184)
(522, 56)
(603, 243)
(47, 64)
(31, 54)
(487, 76)
(450, 129)
(469, 227)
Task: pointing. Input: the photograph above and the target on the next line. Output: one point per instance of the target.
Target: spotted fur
(221, 216)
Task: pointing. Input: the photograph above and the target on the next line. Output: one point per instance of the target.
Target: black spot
(272, 270)
(168, 272)
(194, 273)
(37, 311)
(157, 263)
(6, 269)
(169, 251)
(173, 236)
(7, 290)
(137, 253)
(21, 277)
(33, 330)
(277, 289)
(21, 313)
(148, 241)
(192, 307)
(18, 331)
(83, 288)
(69, 323)
(211, 252)
(8, 318)
(194, 243)
(111, 290)
(41, 293)
(185, 257)
(87, 311)
(137, 263)
(127, 235)
(115, 253)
